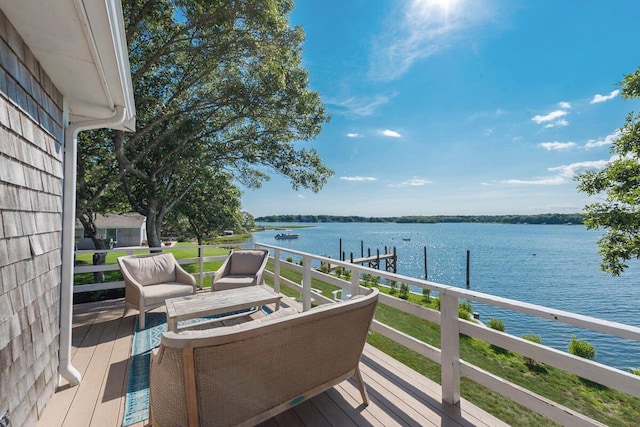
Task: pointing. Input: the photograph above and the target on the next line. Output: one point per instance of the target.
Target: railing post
(355, 283)
(201, 253)
(450, 349)
(306, 283)
(276, 270)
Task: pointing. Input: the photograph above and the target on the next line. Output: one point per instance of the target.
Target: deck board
(101, 351)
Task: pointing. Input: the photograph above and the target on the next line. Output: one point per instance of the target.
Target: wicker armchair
(244, 374)
(243, 267)
(152, 278)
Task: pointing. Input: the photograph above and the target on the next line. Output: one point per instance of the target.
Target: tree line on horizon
(551, 218)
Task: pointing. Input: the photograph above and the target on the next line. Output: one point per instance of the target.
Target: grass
(180, 250)
(601, 403)
(606, 405)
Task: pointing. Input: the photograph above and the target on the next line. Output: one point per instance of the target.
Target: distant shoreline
(551, 218)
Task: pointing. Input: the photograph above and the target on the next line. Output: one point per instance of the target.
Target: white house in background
(64, 68)
(129, 229)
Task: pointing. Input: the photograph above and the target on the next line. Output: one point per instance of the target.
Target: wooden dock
(373, 261)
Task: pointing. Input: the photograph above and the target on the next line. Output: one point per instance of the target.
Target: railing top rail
(158, 248)
(584, 321)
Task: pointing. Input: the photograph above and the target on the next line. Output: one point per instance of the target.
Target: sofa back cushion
(245, 261)
(151, 270)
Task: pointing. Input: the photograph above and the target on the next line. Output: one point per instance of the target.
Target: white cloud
(562, 174)
(417, 182)
(571, 170)
(358, 178)
(390, 133)
(300, 196)
(555, 145)
(554, 118)
(354, 135)
(422, 28)
(602, 98)
(359, 106)
(554, 180)
(608, 140)
(413, 182)
(557, 123)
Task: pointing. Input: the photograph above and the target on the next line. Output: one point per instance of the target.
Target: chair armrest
(134, 291)
(184, 276)
(260, 273)
(222, 271)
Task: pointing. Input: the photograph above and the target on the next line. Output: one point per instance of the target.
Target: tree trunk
(99, 258)
(153, 229)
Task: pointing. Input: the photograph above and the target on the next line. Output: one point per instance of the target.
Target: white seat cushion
(232, 282)
(156, 294)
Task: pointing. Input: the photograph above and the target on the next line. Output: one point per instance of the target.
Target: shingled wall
(31, 182)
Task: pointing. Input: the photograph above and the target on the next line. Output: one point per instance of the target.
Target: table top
(218, 302)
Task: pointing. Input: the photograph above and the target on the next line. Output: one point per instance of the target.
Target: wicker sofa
(247, 373)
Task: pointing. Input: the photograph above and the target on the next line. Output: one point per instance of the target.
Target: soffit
(81, 46)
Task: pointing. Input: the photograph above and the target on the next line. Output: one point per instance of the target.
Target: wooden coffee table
(218, 302)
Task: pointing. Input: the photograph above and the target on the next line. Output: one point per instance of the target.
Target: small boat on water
(287, 235)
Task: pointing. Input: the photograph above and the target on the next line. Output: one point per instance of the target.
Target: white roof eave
(81, 46)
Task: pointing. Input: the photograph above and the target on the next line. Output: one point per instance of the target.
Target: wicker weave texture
(275, 363)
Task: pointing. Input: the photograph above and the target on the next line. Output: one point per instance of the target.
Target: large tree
(619, 183)
(218, 84)
(213, 206)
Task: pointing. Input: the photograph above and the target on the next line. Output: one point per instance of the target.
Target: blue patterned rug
(136, 403)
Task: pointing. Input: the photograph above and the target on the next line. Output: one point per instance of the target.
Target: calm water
(551, 265)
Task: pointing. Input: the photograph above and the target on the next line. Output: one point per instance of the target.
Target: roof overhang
(81, 46)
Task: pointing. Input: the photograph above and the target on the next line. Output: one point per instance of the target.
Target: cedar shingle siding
(31, 182)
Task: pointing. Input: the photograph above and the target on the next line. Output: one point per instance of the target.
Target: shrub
(635, 371)
(324, 268)
(289, 259)
(465, 306)
(463, 314)
(533, 338)
(404, 291)
(393, 287)
(426, 295)
(582, 348)
(496, 324)
(370, 279)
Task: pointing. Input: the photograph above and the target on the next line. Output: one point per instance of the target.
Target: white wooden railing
(448, 356)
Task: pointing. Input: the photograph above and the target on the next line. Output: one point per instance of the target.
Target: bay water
(550, 265)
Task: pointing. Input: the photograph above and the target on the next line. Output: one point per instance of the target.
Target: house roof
(128, 220)
(81, 45)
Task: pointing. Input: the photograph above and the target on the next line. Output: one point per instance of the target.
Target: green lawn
(179, 251)
(601, 403)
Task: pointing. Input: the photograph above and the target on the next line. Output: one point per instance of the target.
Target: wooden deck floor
(102, 346)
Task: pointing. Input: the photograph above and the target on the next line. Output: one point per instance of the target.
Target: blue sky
(461, 107)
